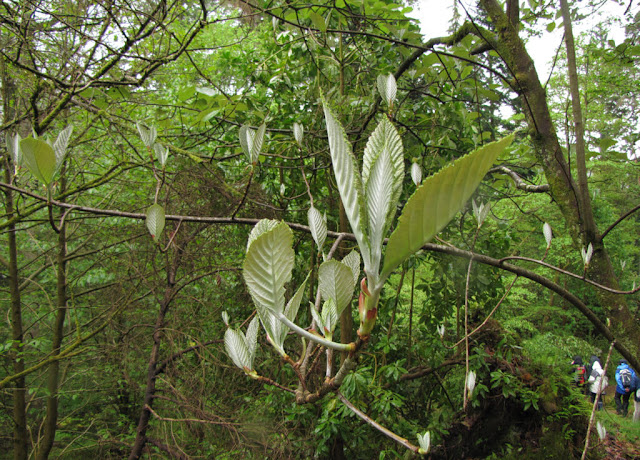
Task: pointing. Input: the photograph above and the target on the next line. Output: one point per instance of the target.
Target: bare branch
(519, 182)
(390, 434)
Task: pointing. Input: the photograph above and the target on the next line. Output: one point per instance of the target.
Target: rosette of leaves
(298, 133)
(147, 135)
(424, 440)
(371, 198)
(416, 173)
(388, 88)
(267, 269)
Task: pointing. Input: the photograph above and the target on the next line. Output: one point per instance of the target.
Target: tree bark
(581, 166)
(20, 435)
(53, 377)
(154, 359)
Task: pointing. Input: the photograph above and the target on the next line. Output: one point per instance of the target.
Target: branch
(304, 397)
(573, 275)
(498, 263)
(193, 420)
(422, 372)
(520, 184)
(623, 217)
(390, 434)
(161, 367)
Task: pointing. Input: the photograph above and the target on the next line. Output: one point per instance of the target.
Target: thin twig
(573, 275)
(244, 197)
(595, 403)
(194, 420)
(390, 434)
(504, 296)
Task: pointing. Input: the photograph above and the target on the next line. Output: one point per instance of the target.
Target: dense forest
(279, 229)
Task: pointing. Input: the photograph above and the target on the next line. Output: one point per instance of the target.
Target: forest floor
(623, 435)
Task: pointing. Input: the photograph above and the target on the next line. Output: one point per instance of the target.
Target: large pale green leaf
(348, 180)
(385, 138)
(40, 158)
(378, 196)
(436, 201)
(236, 346)
(261, 227)
(336, 282)
(155, 220)
(268, 267)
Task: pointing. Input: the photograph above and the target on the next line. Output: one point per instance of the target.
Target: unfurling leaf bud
(425, 443)
(548, 234)
(298, 133)
(416, 173)
(471, 382)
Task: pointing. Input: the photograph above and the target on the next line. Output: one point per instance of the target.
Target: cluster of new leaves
(251, 142)
(370, 200)
(267, 268)
(41, 157)
(242, 348)
(148, 136)
(155, 213)
(337, 281)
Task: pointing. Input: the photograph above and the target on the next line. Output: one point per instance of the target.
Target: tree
(169, 104)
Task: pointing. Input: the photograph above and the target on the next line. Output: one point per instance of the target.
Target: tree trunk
(152, 373)
(564, 190)
(53, 377)
(20, 435)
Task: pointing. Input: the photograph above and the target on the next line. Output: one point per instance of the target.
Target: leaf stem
(315, 338)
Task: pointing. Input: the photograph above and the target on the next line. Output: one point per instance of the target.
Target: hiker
(636, 401)
(579, 373)
(597, 380)
(626, 386)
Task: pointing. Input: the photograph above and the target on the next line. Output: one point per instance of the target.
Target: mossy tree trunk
(573, 201)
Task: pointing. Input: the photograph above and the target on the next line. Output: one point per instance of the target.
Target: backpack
(580, 377)
(626, 378)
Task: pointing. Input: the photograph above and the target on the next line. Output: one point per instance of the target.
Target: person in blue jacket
(626, 386)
